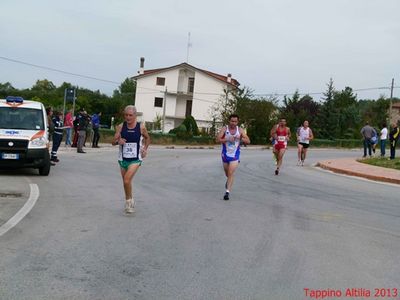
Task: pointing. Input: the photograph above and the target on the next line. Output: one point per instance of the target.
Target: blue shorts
(227, 159)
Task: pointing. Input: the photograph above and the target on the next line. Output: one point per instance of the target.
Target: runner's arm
(273, 132)
(311, 137)
(221, 136)
(244, 137)
(117, 135)
(146, 138)
(298, 133)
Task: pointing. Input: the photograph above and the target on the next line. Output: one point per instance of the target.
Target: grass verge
(382, 162)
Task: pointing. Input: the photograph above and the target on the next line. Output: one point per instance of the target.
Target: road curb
(348, 171)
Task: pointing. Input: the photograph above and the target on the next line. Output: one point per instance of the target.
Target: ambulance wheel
(45, 169)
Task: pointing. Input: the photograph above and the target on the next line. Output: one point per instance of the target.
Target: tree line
(338, 115)
(50, 95)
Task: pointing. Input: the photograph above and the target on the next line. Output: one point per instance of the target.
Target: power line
(57, 70)
(156, 90)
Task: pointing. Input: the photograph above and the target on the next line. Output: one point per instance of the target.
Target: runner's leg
(280, 157)
(304, 153)
(231, 170)
(299, 153)
(127, 176)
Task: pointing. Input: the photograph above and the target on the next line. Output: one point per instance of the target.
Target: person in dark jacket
(57, 135)
(393, 138)
(83, 122)
(96, 127)
(367, 133)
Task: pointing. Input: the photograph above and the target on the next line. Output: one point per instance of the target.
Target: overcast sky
(270, 46)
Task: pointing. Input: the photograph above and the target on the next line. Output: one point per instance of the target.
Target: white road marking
(33, 197)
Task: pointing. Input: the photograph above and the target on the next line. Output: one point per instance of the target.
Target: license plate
(10, 156)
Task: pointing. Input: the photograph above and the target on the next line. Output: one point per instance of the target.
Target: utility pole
(391, 103)
(164, 105)
(189, 44)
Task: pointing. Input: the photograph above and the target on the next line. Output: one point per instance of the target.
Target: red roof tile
(223, 78)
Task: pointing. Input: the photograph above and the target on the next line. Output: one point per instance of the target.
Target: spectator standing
(393, 138)
(374, 140)
(75, 124)
(82, 125)
(57, 136)
(68, 123)
(383, 137)
(367, 133)
(96, 127)
(89, 131)
(49, 112)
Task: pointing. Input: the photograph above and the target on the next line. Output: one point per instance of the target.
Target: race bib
(231, 149)
(304, 141)
(130, 150)
(281, 138)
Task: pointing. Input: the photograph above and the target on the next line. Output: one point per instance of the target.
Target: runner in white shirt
(304, 136)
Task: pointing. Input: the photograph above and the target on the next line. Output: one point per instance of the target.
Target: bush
(191, 125)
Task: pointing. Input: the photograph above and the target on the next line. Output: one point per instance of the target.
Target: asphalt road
(276, 237)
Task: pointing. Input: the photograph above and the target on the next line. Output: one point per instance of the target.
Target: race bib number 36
(130, 150)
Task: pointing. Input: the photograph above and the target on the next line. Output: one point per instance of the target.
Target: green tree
(44, 85)
(191, 126)
(226, 105)
(126, 92)
(348, 119)
(296, 110)
(376, 112)
(258, 116)
(326, 118)
(6, 89)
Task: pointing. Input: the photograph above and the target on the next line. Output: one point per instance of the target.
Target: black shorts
(305, 145)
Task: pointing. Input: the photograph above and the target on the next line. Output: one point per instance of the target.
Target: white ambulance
(24, 136)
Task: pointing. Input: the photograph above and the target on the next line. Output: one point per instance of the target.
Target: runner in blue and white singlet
(230, 136)
(231, 148)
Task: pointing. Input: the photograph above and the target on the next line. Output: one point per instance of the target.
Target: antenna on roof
(189, 44)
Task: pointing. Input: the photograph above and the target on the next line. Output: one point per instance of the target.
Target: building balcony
(181, 93)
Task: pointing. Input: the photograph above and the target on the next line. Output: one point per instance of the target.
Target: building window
(161, 81)
(158, 102)
(191, 85)
(188, 108)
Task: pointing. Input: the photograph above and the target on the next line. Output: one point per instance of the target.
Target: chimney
(229, 78)
(141, 69)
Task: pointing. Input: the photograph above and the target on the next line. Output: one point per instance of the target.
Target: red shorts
(278, 146)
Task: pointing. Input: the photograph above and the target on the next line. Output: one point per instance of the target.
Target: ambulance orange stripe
(38, 135)
(14, 104)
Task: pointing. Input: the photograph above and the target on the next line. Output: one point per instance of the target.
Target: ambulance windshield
(21, 118)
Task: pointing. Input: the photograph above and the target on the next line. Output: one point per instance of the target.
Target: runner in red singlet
(281, 134)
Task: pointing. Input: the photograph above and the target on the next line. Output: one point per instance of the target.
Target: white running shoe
(129, 206)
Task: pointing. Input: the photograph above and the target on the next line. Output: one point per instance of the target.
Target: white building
(175, 92)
